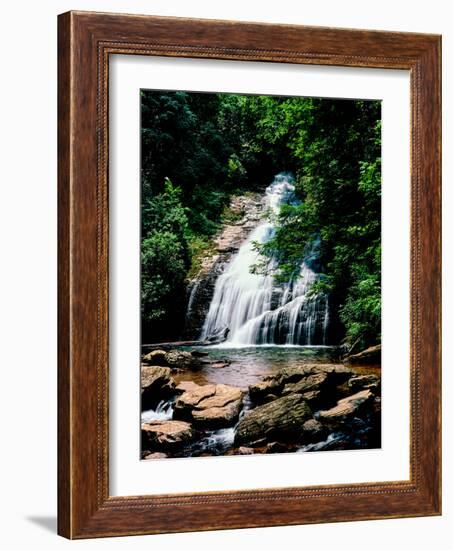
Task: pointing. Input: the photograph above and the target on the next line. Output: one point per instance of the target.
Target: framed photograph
(249, 275)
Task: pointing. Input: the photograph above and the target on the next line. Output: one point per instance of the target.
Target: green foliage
(165, 258)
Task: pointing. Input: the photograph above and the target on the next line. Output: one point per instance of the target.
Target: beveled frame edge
(85, 41)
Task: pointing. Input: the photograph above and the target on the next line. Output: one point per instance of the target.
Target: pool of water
(250, 364)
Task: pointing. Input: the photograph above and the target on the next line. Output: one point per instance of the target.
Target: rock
(181, 359)
(313, 398)
(186, 385)
(222, 396)
(270, 385)
(156, 384)
(220, 364)
(166, 435)
(210, 406)
(219, 336)
(247, 214)
(152, 456)
(156, 357)
(346, 408)
(299, 379)
(189, 399)
(308, 383)
(369, 356)
(277, 447)
(313, 430)
(245, 451)
(369, 381)
(217, 417)
(279, 420)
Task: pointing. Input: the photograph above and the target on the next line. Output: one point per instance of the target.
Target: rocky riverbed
(217, 401)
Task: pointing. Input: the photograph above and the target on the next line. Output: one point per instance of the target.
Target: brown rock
(270, 385)
(217, 417)
(369, 381)
(313, 431)
(346, 408)
(212, 406)
(156, 357)
(308, 383)
(153, 456)
(156, 384)
(245, 451)
(369, 356)
(279, 420)
(166, 435)
(222, 396)
(186, 385)
(181, 359)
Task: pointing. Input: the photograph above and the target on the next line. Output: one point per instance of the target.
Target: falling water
(254, 307)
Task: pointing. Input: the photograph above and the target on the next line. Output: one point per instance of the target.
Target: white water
(256, 309)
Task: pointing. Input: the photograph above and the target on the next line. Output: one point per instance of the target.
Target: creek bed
(246, 366)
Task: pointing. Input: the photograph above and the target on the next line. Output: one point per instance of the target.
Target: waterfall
(256, 308)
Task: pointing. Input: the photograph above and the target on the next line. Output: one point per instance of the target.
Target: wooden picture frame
(85, 41)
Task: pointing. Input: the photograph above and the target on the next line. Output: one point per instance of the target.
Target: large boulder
(186, 385)
(279, 420)
(299, 379)
(156, 385)
(346, 409)
(210, 406)
(217, 417)
(169, 435)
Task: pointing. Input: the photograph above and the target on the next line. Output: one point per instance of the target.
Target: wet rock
(219, 336)
(369, 356)
(313, 398)
(181, 359)
(189, 399)
(307, 383)
(246, 214)
(370, 381)
(347, 408)
(277, 447)
(313, 430)
(167, 435)
(279, 420)
(153, 456)
(186, 385)
(245, 451)
(220, 364)
(270, 385)
(156, 357)
(210, 406)
(217, 417)
(156, 384)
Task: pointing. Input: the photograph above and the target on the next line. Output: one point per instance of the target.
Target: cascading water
(254, 307)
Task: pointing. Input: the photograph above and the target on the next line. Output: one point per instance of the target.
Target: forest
(200, 150)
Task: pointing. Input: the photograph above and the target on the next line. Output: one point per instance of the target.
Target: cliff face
(247, 210)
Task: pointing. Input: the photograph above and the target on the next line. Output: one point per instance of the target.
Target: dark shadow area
(49, 523)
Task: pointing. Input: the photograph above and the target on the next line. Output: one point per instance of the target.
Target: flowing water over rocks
(254, 307)
(263, 399)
